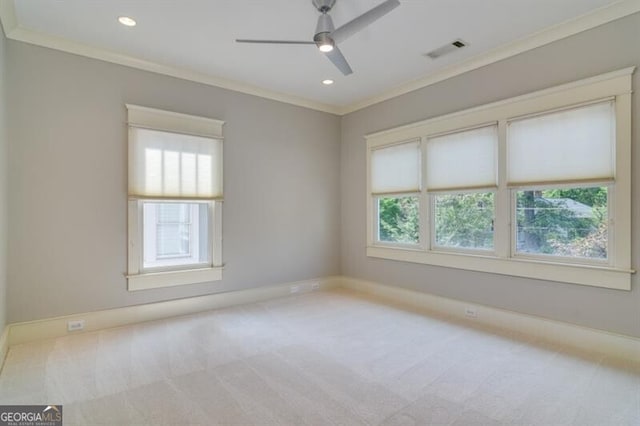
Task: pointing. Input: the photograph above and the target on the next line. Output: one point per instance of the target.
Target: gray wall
(3, 184)
(295, 195)
(606, 48)
(67, 207)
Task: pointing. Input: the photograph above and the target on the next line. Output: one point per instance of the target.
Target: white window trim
(616, 274)
(137, 278)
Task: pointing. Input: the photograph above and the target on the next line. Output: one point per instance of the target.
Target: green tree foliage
(592, 197)
(549, 222)
(399, 219)
(465, 220)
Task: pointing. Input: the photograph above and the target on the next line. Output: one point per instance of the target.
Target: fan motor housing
(325, 24)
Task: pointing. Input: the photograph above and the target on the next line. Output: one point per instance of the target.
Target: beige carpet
(324, 358)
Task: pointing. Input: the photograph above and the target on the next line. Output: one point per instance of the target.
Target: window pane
(173, 230)
(398, 220)
(175, 234)
(563, 222)
(464, 220)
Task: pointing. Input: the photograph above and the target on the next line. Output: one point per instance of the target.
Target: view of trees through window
(563, 222)
(398, 220)
(464, 220)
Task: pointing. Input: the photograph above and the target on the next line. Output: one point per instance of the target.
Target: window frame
(615, 273)
(138, 277)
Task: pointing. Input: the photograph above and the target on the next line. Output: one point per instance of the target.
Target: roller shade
(396, 169)
(566, 146)
(172, 165)
(463, 160)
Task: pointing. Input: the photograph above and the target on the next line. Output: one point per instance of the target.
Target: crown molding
(593, 19)
(548, 35)
(14, 31)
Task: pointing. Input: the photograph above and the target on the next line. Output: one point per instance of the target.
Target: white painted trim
(558, 332)
(602, 85)
(159, 119)
(616, 274)
(583, 338)
(39, 39)
(149, 280)
(4, 344)
(548, 35)
(8, 16)
(595, 276)
(24, 332)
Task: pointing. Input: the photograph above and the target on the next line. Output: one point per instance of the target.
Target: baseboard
(29, 331)
(575, 336)
(582, 338)
(4, 345)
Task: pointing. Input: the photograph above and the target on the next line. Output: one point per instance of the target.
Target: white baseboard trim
(575, 336)
(582, 338)
(24, 332)
(4, 345)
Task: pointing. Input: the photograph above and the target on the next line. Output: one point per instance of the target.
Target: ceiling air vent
(447, 48)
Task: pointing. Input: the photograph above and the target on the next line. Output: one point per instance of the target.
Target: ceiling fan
(327, 37)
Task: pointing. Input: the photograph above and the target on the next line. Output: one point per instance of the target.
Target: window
(398, 220)
(462, 178)
(395, 175)
(566, 222)
(464, 221)
(535, 186)
(175, 197)
(175, 234)
(565, 147)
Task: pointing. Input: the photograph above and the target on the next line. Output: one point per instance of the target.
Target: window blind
(464, 159)
(396, 169)
(165, 165)
(565, 146)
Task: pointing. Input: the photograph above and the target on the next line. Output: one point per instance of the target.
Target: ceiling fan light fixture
(127, 21)
(327, 82)
(323, 41)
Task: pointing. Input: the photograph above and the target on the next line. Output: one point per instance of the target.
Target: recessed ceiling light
(327, 82)
(125, 20)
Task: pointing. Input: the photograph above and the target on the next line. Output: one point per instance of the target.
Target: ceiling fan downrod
(323, 6)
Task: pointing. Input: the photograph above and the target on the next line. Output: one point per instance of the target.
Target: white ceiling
(198, 35)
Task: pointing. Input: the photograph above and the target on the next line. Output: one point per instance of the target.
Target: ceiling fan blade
(339, 61)
(367, 18)
(244, 40)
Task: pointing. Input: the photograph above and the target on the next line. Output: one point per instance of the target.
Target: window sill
(596, 276)
(173, 278)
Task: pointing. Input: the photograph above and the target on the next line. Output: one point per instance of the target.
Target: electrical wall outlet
(294, 289)
(75, 325)
(315, 286)
(470, 312)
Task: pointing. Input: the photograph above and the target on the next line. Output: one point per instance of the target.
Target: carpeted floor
(334, 357)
